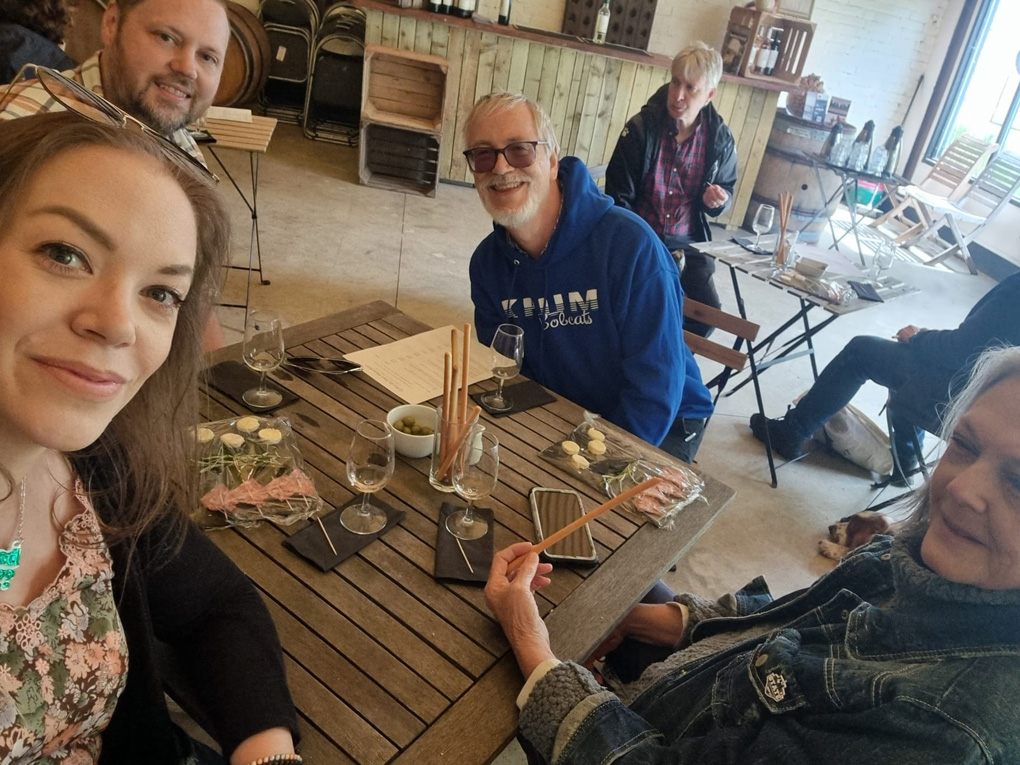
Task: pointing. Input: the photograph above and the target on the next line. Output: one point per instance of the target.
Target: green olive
(408, 421)
(427, 431)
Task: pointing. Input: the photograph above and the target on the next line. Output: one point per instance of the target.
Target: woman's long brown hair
(139, 472)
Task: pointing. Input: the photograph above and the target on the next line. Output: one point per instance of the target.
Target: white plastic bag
(853, 435)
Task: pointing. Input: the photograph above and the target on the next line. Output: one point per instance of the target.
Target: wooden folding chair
(990, 191)
(949, 178)
(732, 358)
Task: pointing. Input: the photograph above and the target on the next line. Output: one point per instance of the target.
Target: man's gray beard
(140, 111)
(513, 219)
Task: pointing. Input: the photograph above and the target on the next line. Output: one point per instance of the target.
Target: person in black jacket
(675, 164)
(922, 368)
(31, 33)
(111, 250)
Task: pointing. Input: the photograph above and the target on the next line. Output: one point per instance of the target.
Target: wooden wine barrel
(784, 168)
(246, 65)
(83, 35)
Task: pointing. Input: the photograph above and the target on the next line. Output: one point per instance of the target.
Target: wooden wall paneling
(547, 83)
(455, 55)
(606, 104)
(373, 27)
(736, 123)
(578, 88)
(501, 67)
(518, 66)
(466, 99)
(405, 33)
(558, 110)
(725, 96)
(533, 71)
(423, 37)
(441, 43)
(486, 66)
(637, 95)
(589, 107)
(619, 117)
(734, 217)
(743, 133)
(390, 30)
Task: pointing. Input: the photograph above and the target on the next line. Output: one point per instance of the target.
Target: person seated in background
(111, 251)
(592, 287)
(920, 366)
(31, 32)
(161, 63)
(675, 164)
(907, 652)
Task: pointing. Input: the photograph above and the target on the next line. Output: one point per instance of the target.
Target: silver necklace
(11, 559)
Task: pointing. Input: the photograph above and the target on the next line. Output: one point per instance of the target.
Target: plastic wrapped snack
(251, 471)
(592, 454)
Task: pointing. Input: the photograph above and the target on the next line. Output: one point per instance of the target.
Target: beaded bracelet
(277, 758)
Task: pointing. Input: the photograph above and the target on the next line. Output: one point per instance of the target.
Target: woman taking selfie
(109, 254)
(908, 652)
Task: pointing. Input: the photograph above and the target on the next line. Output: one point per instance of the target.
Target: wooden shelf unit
(796, 42)
(404, 89)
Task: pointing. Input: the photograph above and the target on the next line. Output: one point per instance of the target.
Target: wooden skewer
(470, 567)
(326, 534)
(570, 528)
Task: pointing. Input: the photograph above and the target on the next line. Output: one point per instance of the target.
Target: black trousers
(698, 284)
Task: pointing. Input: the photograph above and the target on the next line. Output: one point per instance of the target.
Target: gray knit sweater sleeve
(552, 699)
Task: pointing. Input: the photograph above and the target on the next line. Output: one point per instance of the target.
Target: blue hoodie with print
(601, 311)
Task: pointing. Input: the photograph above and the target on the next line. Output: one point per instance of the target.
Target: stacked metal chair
(333, 98)
(291, 26)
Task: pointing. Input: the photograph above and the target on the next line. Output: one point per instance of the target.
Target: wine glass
(475, 468)
(507, 355)
(763, 222)
(370, 465)
(882, 261)
(263, 352)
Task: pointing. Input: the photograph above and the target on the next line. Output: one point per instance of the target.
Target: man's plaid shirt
(673, 184)
(28, 97)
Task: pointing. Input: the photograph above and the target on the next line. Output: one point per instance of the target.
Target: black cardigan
(637, 148)
(196, 604)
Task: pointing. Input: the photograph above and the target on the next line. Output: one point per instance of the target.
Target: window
(985, 98)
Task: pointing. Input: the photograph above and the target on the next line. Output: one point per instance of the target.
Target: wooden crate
(403, 89)
(793, 51)
(399, 159)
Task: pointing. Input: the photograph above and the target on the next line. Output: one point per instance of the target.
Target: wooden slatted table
(252, 137)
(387, 665)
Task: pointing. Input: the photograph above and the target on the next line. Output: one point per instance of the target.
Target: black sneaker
(902, 479)
(784, 443)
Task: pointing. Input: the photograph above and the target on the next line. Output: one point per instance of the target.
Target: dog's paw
(831, 550)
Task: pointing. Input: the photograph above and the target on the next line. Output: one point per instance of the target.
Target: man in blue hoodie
(594, 289)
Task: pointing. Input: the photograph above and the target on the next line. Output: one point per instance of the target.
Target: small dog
(852, 532)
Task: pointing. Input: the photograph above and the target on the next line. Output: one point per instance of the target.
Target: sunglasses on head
(519, 154)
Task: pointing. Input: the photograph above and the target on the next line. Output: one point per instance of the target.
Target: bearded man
(593, 287)
(161, 63)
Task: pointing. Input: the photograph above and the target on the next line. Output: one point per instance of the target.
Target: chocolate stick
(570, 528)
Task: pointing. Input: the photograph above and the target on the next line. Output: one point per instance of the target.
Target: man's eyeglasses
(519, 154)
(84, 102)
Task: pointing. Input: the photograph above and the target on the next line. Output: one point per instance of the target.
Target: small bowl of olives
(414, 427)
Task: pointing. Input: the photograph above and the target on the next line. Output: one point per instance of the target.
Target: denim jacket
(880, 660)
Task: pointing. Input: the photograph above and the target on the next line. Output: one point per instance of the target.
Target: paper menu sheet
(412, 368)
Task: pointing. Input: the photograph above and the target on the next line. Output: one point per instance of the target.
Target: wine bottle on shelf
(773, 56)
(435, 6)
(761, 61)
(464, 8)
(446, 6)
(752, 58)
(602, 22)
(504, 12)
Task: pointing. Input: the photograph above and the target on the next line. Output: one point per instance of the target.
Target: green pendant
(9, 561)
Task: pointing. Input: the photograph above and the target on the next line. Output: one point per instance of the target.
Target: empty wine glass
(507, 355)
(763, 222)
(263, 352)
(475, 468)
(882, 261)
(370, 465)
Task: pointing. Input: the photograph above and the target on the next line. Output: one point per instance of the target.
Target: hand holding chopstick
(570, 528)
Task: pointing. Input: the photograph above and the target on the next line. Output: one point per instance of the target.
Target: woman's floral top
(63, 657)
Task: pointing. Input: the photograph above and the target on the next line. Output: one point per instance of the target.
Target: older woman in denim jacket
(908, 652)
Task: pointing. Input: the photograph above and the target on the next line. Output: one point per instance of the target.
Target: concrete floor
(329, 244)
